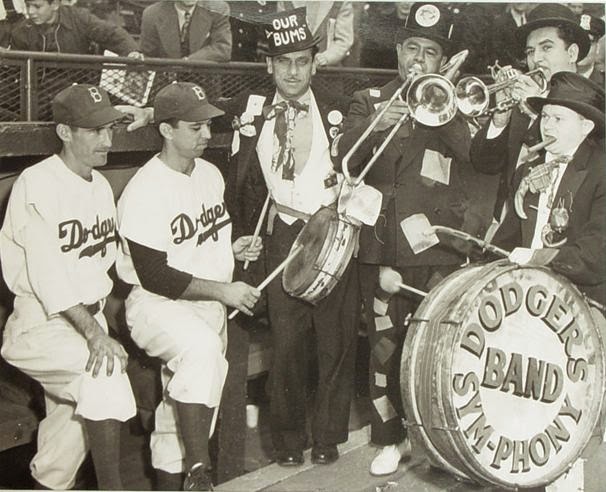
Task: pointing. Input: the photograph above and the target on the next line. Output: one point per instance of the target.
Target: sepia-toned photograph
(302, 246)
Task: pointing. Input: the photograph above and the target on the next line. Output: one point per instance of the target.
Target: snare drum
(328, 241)
(503, 375)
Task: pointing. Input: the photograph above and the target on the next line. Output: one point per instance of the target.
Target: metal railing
(29, 80)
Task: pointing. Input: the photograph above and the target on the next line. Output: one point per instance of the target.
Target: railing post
(29, 67)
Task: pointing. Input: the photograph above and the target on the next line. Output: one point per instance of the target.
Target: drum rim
(455, 440)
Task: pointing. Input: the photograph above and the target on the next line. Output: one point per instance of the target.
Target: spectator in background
(592, 66)
(504, 45)
(473, 24)
(190, 29)
(248, 36)
(333, 22)
(11, 12)
(59, 28)
(378, 26)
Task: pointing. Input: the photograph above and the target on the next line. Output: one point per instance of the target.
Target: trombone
(473, 96)
(430, 99)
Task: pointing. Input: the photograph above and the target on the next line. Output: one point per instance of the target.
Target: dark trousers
(386, 334)
(334, 320)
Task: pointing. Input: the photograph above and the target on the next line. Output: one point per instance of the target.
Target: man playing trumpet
(561, 200)
(553, 41)
(421, 171)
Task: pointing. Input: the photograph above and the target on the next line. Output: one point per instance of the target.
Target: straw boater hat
(428, 20)
(287, 32)
(554, 15)
(577, 93)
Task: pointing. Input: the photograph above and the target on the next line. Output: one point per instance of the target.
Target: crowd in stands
(354, 34)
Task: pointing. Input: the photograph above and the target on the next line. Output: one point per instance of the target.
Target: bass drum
(328, 241)
(503, 375)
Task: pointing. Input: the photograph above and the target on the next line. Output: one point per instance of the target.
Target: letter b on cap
(198, 92)
(95, 94)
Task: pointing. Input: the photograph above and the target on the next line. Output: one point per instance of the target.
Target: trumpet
(430, 99)
(472, 96)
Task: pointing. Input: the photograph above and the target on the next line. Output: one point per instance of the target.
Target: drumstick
(411, 289)
(258, 228)
(273, 275)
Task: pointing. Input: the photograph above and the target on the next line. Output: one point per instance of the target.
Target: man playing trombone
(422, 170)
(553, 41)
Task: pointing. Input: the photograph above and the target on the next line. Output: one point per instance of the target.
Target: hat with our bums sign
(287, 32)
(431, 21)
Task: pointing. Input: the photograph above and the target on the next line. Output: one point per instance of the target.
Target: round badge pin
(427, 15)
(335, 117)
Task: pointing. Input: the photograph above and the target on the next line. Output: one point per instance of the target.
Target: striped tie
(185, 34)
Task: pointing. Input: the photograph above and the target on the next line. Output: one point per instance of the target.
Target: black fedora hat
(288, 31)
(578, 93)
(593, 25)
(554, 15)
(429, 20)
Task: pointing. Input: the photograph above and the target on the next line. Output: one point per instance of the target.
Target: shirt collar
(181, 10)
(303, 99)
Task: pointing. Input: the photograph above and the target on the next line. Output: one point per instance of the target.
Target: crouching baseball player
(57, 244)
(176, 251)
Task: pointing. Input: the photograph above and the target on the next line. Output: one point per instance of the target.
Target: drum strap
(276, 208)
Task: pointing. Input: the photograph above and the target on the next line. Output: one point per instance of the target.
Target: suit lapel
(199, 29)
(575, 174)
(248, 145)
(168, 30)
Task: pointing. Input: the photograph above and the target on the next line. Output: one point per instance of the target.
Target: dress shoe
(290, 458)
(387, 459)
(198, 478)
(324, 455)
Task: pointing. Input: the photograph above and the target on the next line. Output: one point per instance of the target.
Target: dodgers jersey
(183, 216)
(57, 242)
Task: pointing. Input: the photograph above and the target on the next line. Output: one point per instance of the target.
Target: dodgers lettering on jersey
(183, 227)
(102, 233)
(180, 215)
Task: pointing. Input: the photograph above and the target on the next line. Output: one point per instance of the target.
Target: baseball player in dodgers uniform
(57, 244)
(177, 252)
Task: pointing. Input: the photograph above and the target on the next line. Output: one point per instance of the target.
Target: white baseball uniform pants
(190, 338)
(55, 355)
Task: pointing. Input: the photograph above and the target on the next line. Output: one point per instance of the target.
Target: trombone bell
(431, 100)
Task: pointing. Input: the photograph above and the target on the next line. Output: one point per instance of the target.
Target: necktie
(542, 176)
(285, 113)
(184, 36)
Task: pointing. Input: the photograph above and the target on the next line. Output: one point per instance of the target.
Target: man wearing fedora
(553, 41)
(563, 194)
(422, 171)
(57, 245)
(284, 146)
(177, 253)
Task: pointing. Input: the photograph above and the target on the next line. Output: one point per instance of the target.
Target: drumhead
(312, 237)
(503, 375)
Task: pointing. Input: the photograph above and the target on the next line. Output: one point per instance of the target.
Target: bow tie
(540, 177)
(272, 110)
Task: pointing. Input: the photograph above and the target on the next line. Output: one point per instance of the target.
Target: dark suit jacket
(583, 191)
(245, 188)
(500, 155)
(397, 174)
(209, 32)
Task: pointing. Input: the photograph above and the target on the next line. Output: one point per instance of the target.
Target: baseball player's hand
(391, 116)
(241, 296)
(245, 250)
(102, 346)
(141, 116)
(137, 55)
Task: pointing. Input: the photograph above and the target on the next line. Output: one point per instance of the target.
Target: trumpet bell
(431, 101)
(472, 96)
